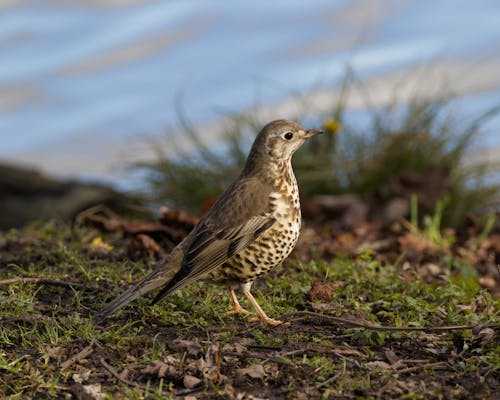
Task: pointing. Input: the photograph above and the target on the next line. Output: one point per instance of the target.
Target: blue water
(80, 82)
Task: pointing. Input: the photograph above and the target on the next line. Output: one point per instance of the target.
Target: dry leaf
(80, 378)
(146, 246)
(189, 346)
(255, 371)
(163, 368)
(94, 391)
(488, 282)
(382, 365)
(486, 335)
(345, 351)
(415, 245)
(53, 352)
(237, 348)
(190, 381)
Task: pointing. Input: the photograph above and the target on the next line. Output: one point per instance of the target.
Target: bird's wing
(239, 217)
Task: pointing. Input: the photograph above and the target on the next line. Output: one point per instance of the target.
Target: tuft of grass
(407, 149)
(432, 224)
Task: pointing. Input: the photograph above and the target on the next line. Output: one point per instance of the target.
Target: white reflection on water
(79, 81)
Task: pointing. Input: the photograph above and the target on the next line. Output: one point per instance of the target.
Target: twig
(417, 367)
(114, 372)
(329, 380)
(278, 358)
(78, 357)
(39, 281)
(50, 385)
(345, 321)
(297, 352)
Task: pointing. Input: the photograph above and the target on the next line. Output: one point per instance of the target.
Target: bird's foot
(262, 315)
(275, 322)
(238, 310)
(268, 320)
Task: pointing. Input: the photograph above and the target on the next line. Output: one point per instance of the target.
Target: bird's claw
(238, 310)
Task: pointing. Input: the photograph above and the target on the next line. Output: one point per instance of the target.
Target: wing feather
(201, 260)
(224, 231)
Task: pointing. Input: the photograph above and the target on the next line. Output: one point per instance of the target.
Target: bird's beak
(311, 132)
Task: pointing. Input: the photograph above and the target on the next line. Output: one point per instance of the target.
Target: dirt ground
(372, 312)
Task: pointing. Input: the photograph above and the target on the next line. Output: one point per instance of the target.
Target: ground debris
(322, 291)
(255, 371)
(169, 367)
(369, 318)
(145, 246)
(192, 347)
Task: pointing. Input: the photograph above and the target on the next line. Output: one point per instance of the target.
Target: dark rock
(27, 195)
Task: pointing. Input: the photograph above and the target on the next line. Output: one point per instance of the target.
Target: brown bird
(248, 231)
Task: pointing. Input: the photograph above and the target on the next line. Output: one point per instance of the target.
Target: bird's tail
(156, 279)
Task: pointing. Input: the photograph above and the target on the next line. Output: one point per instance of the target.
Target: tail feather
(160, 277)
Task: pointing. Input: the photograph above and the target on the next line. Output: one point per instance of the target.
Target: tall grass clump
(193, 179)
(413, 149)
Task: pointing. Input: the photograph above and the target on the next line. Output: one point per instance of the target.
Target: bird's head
(277, 142)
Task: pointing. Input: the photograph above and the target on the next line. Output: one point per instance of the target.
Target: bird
(249, 230)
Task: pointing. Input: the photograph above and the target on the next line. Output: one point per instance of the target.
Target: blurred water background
(82, 83)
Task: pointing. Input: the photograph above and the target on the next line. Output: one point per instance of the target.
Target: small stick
(40, 281)
(329, 380)
(78, 357)
(417, 367)
(114, 372)
(392, 328)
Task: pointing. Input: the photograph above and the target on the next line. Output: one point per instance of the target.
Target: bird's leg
(260, 311)
(237, 308)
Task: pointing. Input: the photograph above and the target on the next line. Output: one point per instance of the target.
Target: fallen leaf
(301, 396)
(124, 373)
(486, 335)
(382, 365)
(190, 381)
(94, 391)
(162, 368)
(434, 269)
(255, 371)
(488, 282)
(345, 351)
(191, 347)
(237, 348)
(178, 218)
(146, 246)
(416, 246)
(53, 352)
(394, 360)
(80, 378)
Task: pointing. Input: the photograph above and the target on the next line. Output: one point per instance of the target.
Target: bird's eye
(288, 135)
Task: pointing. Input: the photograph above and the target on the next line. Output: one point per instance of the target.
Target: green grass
(43, 325)
(420, 148)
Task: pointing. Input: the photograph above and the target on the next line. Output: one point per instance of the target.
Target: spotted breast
(274, 245)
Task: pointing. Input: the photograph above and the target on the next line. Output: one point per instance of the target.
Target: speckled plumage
(272, 246)
(249, 230)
